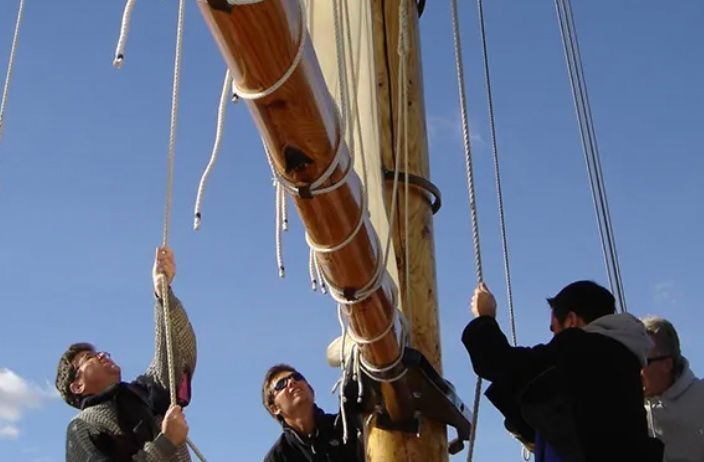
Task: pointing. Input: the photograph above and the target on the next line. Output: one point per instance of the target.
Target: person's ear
(77, 387)
(274, 409)
(571, 320)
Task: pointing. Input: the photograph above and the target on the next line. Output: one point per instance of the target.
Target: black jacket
(582, 391)
(325, 445)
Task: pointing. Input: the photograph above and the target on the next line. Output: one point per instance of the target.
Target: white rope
(321, 281)
(279, 226)
(10, 65)
(372, 285)
(459, 66)
(374, 372)
(284, 211)
(311, 271)
(222, 105)
(367, 341)
(169, 194)
(335, 247)
(342, 381)
(124, 30)
(525, 453)
(302, 39)
(167, 213)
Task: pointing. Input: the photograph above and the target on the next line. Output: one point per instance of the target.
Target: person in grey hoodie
(580, 395)
(674, 396)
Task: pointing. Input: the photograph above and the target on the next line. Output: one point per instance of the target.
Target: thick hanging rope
(10, 65)
(171, 157)
(168, 205)
(497, 174)
(222, 105)
(591, 151)
(459, 66)
(124, 30)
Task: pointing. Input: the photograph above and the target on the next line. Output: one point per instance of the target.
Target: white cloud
(9, 432)
(16, 396)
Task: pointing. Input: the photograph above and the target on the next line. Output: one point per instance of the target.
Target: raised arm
(493, 358)
(182, 336)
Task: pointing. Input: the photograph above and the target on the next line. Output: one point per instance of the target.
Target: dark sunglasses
(283, 382)
(657, 358)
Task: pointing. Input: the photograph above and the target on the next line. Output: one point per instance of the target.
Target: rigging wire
(459, 67)
(497, 173)
(10, 64)
(590, 148)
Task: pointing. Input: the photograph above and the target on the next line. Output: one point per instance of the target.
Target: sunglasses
(657, 358)
(283, 382)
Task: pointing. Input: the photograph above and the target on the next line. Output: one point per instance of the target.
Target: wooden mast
(422, 308)
(299, 124)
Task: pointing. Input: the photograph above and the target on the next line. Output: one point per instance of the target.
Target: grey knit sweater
(102, 419)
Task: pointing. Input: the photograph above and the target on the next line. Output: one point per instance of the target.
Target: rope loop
(302, 40)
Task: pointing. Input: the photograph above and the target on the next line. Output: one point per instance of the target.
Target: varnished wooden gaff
(259, 43)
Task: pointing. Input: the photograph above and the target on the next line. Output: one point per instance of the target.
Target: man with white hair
(674, 396)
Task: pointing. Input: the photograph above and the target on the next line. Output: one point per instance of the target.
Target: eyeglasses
(657, 358)
(283, 382)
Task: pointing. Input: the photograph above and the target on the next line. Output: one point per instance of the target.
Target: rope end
(314, 285)
(196, 222)
(118, 61)
(284, 225)
(282, 272)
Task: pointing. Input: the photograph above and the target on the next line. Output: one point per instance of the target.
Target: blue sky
(82, 171)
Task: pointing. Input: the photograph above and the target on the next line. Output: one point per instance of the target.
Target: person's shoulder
(277, 452)
(696, 389)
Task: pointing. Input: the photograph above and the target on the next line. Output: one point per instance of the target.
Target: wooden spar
(421, 307)
(300, 127)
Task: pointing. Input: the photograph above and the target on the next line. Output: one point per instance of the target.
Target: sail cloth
(360, 79)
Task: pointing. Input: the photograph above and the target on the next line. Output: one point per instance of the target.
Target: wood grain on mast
(259, 42)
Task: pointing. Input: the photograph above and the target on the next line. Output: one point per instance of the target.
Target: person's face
(95, 372)
(657, 374)
(292, 396)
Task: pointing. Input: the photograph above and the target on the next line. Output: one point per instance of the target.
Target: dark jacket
(582, 391)
(325, 445)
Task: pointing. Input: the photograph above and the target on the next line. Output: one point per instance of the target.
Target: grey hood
(626, 329)
(682, 383)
